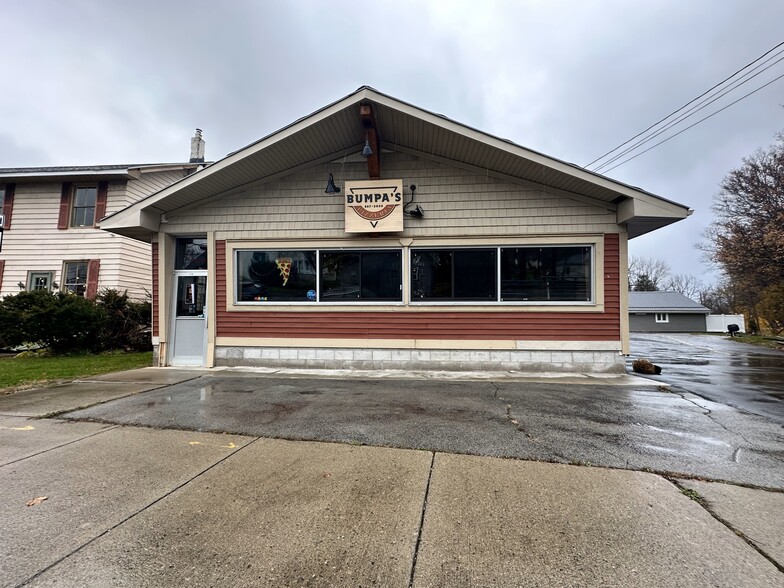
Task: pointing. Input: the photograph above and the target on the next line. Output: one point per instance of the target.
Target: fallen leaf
(35, 501)
(229, 446)
(195, 443)
(326, 475)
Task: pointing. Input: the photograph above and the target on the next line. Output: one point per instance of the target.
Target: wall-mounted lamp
(21, 286)
(331, 187)
(417, 211)
(366, 150)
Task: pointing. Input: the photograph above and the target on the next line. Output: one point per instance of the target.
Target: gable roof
(664, 302)
(336, 130)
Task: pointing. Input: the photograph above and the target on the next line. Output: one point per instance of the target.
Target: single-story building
(666, 312)
(375, 234)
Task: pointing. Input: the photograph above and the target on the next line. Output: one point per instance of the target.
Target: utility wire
(698, 122)
(694, 110)
(685, 105)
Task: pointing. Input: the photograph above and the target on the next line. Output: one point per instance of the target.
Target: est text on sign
(374, 206)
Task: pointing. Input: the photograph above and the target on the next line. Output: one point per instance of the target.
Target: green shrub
(66, 323)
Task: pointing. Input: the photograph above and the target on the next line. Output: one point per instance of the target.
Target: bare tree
(646, 273)
(686, 284)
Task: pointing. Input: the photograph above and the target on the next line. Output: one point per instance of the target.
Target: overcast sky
(100, 81)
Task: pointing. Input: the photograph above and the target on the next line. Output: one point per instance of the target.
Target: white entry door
(189, 340)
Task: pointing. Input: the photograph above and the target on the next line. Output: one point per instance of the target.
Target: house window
(39, 281)
(546, 274)
(75, 279)
(662, 317)
(83, 207)
(453, 274)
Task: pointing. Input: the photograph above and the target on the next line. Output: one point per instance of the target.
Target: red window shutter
(65, 206)
(100, 201)
(8, 204)
(2, 267)
(93, 267)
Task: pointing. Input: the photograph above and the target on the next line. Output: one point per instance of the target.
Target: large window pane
(276, 276)
(360, 275)
(456, 274)
(546, 274)
(83, 209)
(75, 277)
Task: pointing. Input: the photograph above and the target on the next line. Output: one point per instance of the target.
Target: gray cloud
(115, 82)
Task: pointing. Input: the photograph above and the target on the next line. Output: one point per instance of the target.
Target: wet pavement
(631, 427)
(715, 367)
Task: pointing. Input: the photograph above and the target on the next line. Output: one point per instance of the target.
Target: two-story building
(375, 234)
(51, 234)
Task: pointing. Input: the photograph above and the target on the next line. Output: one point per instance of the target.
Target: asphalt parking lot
(717, 368)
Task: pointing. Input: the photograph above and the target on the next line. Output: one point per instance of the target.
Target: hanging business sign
(374, 206)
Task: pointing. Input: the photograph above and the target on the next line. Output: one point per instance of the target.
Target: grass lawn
(758, 340)
(23, 372)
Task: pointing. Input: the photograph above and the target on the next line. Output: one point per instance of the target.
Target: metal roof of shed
(674, 302)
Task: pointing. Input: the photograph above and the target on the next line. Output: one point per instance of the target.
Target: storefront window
(546, 274)
(453, 274)
(276, 276)
(360, 275)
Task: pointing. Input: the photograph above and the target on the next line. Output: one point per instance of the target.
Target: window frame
(64, 284)
(235, 301)
(31, 274)
(73, 207)
(499, 302)
(661, 318)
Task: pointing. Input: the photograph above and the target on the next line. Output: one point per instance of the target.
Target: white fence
(717, 323)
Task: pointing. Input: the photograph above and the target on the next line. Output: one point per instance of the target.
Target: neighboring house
(310, 248)
(52, 238)
(665, 312)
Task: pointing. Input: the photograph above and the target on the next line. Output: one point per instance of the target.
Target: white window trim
(662, 317)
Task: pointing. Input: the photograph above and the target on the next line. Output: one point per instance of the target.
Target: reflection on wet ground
(634, 427)
(717, 368)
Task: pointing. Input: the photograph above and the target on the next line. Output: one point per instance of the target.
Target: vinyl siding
(443, 324)
(149, 183)
(457, 203)
(34, 242)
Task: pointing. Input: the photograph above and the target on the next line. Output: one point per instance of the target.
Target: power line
(694, 110)
(698, 122)
(685, 105)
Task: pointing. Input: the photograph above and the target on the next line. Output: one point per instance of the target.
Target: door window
(191, 296)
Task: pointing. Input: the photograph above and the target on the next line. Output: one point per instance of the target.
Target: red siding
(100, 201)
(93, 268)
(402, 324)
(65, 206)
(155, 308)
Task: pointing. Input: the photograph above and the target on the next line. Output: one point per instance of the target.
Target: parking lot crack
(516, 423)
(709, 413)
(101, 432)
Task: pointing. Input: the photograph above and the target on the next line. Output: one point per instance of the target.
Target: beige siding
(34, 243)
(149, 183)
(457, 203)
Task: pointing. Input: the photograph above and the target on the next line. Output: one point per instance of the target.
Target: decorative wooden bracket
(369, 124)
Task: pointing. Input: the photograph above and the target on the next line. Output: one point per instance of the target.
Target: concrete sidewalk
(135, 506)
